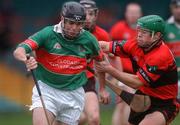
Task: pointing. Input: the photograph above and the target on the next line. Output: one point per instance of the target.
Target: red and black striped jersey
(156, 68)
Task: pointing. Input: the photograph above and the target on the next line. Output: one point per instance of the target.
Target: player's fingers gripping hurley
(31, 63)
(104, 97)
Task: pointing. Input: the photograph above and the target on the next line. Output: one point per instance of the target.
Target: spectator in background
(123, 30)
(7, 18)
(172, 33)
(10, 33)
(4, 34)
(91, 109)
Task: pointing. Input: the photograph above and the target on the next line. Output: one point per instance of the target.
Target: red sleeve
(111, 47)
(31, 44)
(120, 48)
(28, 45)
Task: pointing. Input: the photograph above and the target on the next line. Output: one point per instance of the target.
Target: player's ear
(62, 18)
(97, 13)
(157, 35)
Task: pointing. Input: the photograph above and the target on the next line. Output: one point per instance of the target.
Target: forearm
(101, 80)
(104, 46)
(20, 54)
(116, 62)
(126, 78)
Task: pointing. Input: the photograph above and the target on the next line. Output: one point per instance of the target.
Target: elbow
(137, 86)
(19, 53)
(16, 53)
(137, 83)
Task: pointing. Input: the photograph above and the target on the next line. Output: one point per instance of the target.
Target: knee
(82, 119)
(94, 119)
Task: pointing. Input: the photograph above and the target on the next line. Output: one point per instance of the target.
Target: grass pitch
(25, 118)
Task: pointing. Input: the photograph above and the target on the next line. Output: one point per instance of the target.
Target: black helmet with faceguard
(91, 14)
(72, 13)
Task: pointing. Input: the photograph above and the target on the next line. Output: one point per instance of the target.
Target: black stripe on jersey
(167, 78)
(134, 65)
(145, 76)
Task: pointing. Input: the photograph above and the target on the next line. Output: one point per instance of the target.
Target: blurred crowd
(15, 26)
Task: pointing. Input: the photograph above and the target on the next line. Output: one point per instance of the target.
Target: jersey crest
(57, 46)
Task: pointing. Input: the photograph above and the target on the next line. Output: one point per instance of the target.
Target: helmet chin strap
(148, 47)
(67, 37)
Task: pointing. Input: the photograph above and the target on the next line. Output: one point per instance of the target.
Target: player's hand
(103, 66)
(31, 63)
(104, 46)
(104, 97)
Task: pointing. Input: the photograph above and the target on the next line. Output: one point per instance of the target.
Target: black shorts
(90, 85)
(169, 108)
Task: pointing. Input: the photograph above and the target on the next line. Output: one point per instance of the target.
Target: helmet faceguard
(91, 13)
(73, 13)
(151, 24)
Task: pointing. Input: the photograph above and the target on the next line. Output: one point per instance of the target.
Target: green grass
(176, 120)
(25, 118)
(107, 114)
(15, 118)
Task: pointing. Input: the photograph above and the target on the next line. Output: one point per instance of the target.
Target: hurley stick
(39, 93)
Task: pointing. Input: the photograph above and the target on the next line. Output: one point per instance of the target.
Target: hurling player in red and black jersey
(123, 30)
(91, 109)
(155, 71)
